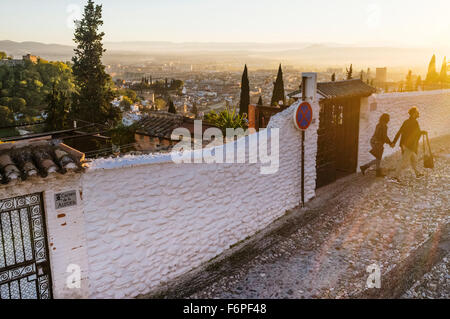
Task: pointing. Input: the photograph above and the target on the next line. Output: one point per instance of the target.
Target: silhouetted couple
(409, 135)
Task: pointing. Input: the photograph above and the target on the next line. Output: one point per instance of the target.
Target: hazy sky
(393, 22)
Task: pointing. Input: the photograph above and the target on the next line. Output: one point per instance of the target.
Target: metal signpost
(303, 118)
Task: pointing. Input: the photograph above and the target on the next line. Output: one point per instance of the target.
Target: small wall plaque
(66, 199)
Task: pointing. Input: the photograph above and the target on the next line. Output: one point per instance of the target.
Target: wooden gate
(338, 138)
(24, 258)
(259, 116)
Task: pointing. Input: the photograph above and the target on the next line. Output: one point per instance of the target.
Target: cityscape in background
(204, 77)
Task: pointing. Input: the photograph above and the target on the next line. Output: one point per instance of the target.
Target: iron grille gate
(24, 261)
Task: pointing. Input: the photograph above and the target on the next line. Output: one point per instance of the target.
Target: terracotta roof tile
(159, 124)
(341, 89)
(20, 161)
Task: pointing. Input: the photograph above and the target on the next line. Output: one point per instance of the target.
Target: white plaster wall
(143, 220)
(149, 220)
(65, 228)
(434, 107)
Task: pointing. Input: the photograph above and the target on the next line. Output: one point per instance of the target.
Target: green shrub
(227, 119)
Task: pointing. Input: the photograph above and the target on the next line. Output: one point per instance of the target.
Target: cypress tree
(260, 101)
(278, 89)
(172, 108)
(432, 75)
(350, 72)
(245, 93)
(333, 77)
(443, 76)
(95, 94)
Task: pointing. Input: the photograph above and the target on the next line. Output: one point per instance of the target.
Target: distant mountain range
(293, 53)
(46, 51)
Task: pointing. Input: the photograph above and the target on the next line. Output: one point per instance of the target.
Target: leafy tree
(129, 93)
(95, 87)
(350, 72)
(57, 109)
(278, 89)
(5, 101)
(18, 104)
(245, 93)
(443, 75)
(160, 104)
(172, 108)
(6, 116)
(32, 83)
(159, 87)
(260, 101)
(333, 77)
(432, 75)
(126, 103)
(3, 55)
(176, 85)
(119, 82)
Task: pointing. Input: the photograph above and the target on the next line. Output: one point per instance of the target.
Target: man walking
(410, 133)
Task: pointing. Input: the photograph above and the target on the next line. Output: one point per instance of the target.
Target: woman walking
(377, 142)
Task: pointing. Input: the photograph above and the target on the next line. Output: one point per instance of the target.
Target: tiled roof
(19, 161)
(341, 89)
(159, 124)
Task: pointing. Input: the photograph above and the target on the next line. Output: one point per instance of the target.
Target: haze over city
(376, 22)
(405, 33)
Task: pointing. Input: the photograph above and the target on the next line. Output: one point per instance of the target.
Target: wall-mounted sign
(303, 116)
(66, 199)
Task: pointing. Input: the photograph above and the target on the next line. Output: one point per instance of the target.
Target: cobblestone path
(434, 285)
(372, 221)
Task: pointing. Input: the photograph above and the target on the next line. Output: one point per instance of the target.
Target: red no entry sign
(303, 116)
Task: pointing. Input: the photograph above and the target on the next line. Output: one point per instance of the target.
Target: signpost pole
(303, 168)
(303, 117)
(303, 144)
